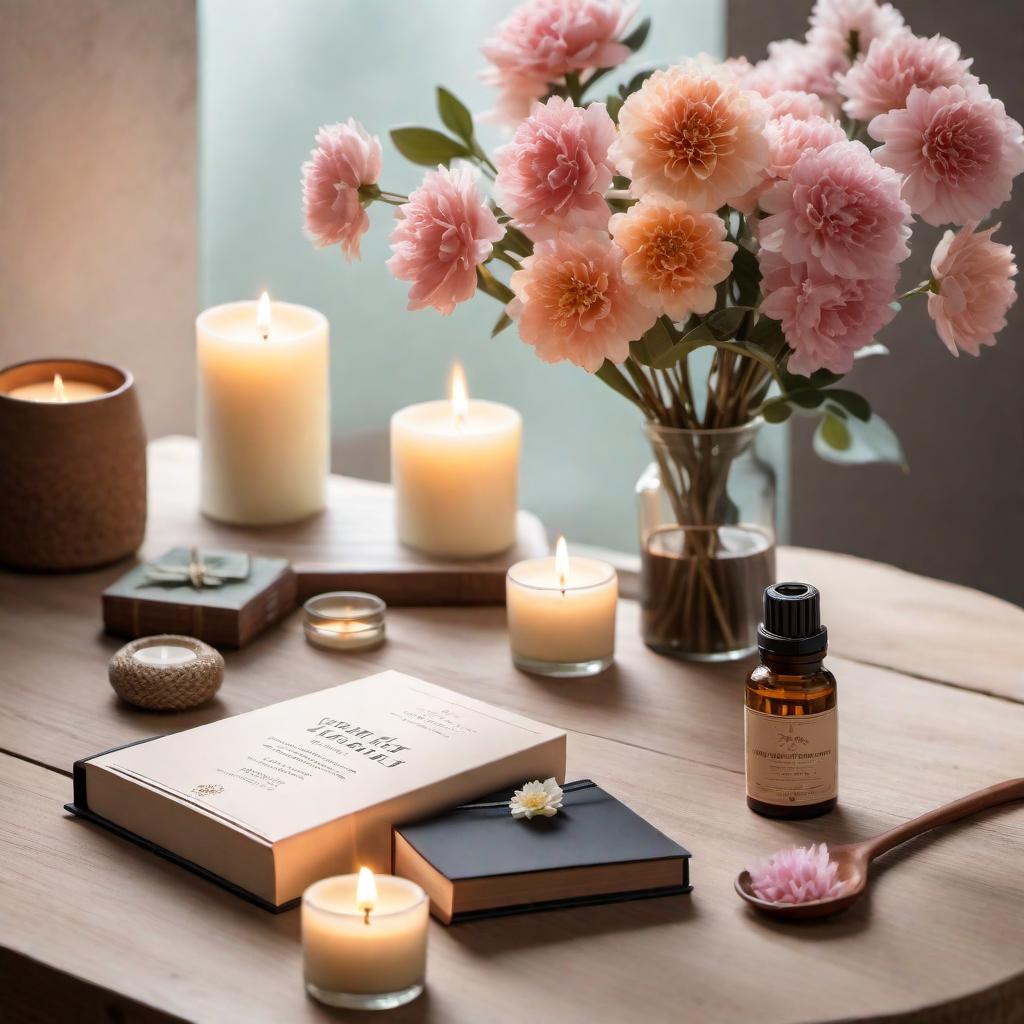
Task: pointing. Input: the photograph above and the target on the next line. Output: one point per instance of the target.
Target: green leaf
(777, 411)
(503, 321)
(806, 398)
(635, 83)
(747, 275)
(455, 114)
(869, 442)
(427, 147)
(652, 346)
(724, 323)
(834, 433)
(616, 380)
(638, 36)
(614, 105)
(693, 339)
(854, 404)
(767, 334)
(490, 285)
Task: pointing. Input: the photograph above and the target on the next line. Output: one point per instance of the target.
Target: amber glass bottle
(790, 719)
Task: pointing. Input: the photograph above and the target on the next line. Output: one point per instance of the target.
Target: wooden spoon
(854, 858)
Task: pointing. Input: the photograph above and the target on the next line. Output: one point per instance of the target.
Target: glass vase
(707, 541)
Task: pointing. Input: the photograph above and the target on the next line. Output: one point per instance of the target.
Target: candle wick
(366, 915)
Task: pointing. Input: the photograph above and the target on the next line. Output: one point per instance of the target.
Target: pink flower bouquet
(760, 210)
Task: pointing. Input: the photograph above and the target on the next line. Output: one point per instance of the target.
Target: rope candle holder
(166, 672)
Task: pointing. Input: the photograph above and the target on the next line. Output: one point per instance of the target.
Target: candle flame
(263, 316)
(58, 388)
(562, 561)
(366, 893)
(460, 396)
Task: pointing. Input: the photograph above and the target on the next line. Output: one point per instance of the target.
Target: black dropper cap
(792, 621)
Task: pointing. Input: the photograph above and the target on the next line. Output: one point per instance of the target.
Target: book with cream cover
(269, 801)
(478, 861)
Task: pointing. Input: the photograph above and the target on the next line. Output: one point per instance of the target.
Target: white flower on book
(536, 798)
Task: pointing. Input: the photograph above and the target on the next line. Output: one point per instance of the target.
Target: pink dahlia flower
(345, 158)
(801, 105)
(798, 875)
(825, 319)
(543, 40)
(840, 209)
(834, 22)
(883, 78)
(572, 302)
(443, 232)
(975, 282)
(674, 257)
(692, 134)
(956, 148)
(553, 174)
(803, 67)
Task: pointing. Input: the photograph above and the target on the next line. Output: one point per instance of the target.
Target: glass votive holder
(344, 620)
(561, 617)
(364, 954)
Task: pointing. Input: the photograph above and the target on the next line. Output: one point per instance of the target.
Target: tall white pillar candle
(455, 469)
(264, 411)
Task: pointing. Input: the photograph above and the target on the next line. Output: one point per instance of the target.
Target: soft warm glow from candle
(263, 316)
(460, 395)
(366, 892)
(562, 561)
(58, 388)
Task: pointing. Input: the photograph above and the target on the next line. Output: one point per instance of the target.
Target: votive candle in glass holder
(344, 620)
(364, 940)
(561, 614)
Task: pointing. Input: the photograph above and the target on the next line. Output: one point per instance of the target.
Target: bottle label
(792, 760)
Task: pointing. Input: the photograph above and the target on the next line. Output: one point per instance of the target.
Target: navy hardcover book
(479, 861)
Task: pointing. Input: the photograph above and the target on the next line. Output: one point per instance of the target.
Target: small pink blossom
(833, 23)
(956, 148)
(882, 79)
(801, 105)
(543, 40)
(840, 209)
(345, 158)
(553, 174)
(802, 67)
(974, 277)
(797, 875)
(572, 302)
(825, 319)
(443, 232)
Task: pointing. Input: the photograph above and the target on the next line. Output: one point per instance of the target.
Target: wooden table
(931, 684)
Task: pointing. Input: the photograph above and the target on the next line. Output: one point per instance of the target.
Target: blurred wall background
(959, 513)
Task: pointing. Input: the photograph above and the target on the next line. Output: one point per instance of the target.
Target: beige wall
(98, 253)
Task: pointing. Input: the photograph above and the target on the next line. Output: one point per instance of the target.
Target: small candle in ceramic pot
(455, 467)
(561, 614)
(364, 940)
(58, 390)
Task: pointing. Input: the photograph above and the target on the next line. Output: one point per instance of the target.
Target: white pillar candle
(264, 412)
(57, 391)
(364, 940)
(561, 614)
(455, 470)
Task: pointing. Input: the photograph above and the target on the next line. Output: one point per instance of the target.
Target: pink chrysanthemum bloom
(834, 22)
(798, 875)
(883, 78)
(674, 257)
(803, 67)
(956, 148)
(553, 174)
(572, 302)
(975, 281)
(543, 40)
(691, 133)
(840, 209)
(443, 232)
(345, 158)
(825, 319)
(801, 105)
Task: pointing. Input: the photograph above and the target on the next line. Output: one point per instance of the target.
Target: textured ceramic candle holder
(166, 672)
(72, 474)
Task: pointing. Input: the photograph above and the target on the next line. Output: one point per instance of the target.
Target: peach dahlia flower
(975, 282)
(674, 257)
(572, 302)
(692, 134)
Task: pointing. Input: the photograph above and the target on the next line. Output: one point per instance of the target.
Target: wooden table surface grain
(931, 694)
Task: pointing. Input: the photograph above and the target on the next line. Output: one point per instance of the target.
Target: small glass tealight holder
(364, 940)
(344, 620)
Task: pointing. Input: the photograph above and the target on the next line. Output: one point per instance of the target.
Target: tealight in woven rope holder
(188, 679)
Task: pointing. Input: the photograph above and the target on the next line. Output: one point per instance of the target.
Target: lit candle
(364, 940)
(561, 614)
(455, 468)
(165, 655)
(344, 620)
(264, 417)
(57, 391)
